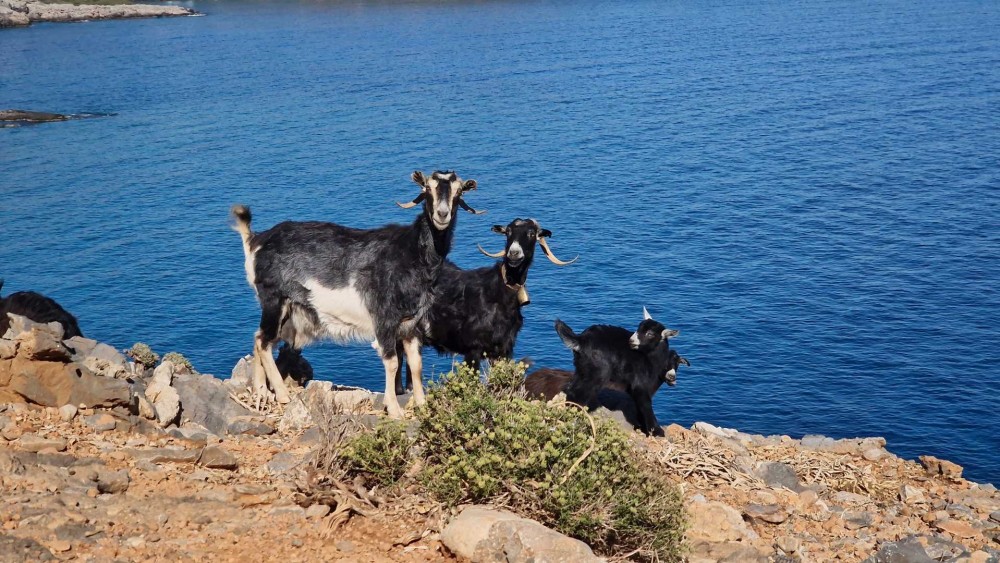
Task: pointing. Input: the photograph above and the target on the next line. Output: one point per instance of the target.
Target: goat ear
(499, 229)
(469, 185)
(669, 333)
(684, 361)
(645, 315)
(544, 233)
(418, 178)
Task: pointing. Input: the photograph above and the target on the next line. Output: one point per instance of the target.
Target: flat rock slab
(215, 457)
(165, 455)
(33, 443)
(482, 534)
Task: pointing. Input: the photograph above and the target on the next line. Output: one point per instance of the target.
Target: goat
(322, 280)
(38, 308)
(477, 313)
(606, 356)
(546, 383)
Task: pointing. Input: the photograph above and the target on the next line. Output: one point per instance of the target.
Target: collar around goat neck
(522, 293)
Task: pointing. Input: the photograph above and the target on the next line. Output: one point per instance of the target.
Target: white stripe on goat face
(515, 251)
(634, 340)
(342, 311)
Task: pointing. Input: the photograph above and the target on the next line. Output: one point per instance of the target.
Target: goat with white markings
(477, 313)
(318, 280)
(610, 356)
(38, 308)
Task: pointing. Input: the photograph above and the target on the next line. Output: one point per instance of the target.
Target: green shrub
(382, 454)
(487, 443)
(143, 354)
(178, 360)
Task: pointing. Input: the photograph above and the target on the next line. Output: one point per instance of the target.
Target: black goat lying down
(610, 356)
(546, 383)
(477, 313)
(322, 280)
(38, 308)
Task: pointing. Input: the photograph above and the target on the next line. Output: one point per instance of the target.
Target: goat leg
(391, 402)
(644, 406)
(270, 368)
(415, 363)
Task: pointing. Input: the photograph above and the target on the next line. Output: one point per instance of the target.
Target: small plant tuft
(382, 454)
(143, 354)
(178, 360)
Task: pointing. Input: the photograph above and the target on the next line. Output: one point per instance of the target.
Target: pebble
(317, 511)
(60, 546)
(68, 412)
(770, 513)
(100, 422)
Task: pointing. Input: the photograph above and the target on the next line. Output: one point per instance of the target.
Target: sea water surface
(807, 189)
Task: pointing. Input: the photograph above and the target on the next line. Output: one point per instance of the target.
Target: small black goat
(38, 308)
(477, 313)
(546, 383)
(612, 357)
(322, 280)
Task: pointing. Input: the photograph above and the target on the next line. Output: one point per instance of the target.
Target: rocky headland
(19, 13)
(108, 457)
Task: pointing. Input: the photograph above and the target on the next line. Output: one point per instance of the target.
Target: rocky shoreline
(20, 13)
(103, 458)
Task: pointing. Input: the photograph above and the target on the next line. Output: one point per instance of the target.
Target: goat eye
(531, 234)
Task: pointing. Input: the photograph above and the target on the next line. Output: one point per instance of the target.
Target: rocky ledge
(102, 458)
(18, 13)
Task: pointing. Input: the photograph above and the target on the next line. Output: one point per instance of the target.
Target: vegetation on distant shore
(89, 2)
(477, 442)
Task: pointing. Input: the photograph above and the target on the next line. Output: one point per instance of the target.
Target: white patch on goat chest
(342, 311)
(249, 259)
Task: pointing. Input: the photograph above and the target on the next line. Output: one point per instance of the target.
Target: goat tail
(567, 335)
(241, 214)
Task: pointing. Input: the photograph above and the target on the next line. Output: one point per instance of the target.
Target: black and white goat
(477, 313)
(610, 356)
(546, 383)
(38, 308)
(319, 280)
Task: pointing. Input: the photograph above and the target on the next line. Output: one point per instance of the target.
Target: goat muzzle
(413, 203)
(500, 254)
(552, 257)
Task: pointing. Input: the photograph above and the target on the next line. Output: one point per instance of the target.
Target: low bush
(178, 360)
(556, 464)
(143, 354)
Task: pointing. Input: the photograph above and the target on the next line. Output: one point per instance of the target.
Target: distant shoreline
(21, 13)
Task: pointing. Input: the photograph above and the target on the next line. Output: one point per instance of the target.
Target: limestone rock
(907, 550)
(40, 12)
(335, 399)
(8, 349)
(112, 482)
(41, 345)
(11, 18)
(54, 384)
(912, 495)
(957, 528)
(215, 457)
(68, 412)
(165, 455)
(35, 443)
(778, 474)
(725, 552)
(105, 360)
(164, 399)
(81, 346)
(20, 324)
(856, 519)
(205, 400)
(943, 467)
(102, 422)
(765, 513)
(283, 462)
(482, 534)
(317, 511)
(717, 522)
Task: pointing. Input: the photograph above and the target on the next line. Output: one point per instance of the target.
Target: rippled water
(808, 190)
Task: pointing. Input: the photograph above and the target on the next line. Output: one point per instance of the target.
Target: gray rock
(292, 510)
(317, 511)
(283, 462)
(11, 464)
(241, 377)
(22, 549)
(482, 534)
(856, 519)
(112, 482)
(249, 426)
(164, 399)
(215, 457)
(205, 400)
(617, 416)
(101, 422)
(907, 550)
(995, 515)
(325, 397)
(943, 550)
(80, 345)
(40, 12)
(11, 18)
(726, 552)
(777, 474)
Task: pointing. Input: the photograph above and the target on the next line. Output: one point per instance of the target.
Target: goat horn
(416, 200)
(645, 314)
(500, 254)
(466, 207)
(552, 257)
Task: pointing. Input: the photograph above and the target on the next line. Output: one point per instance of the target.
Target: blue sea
(809, 190)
